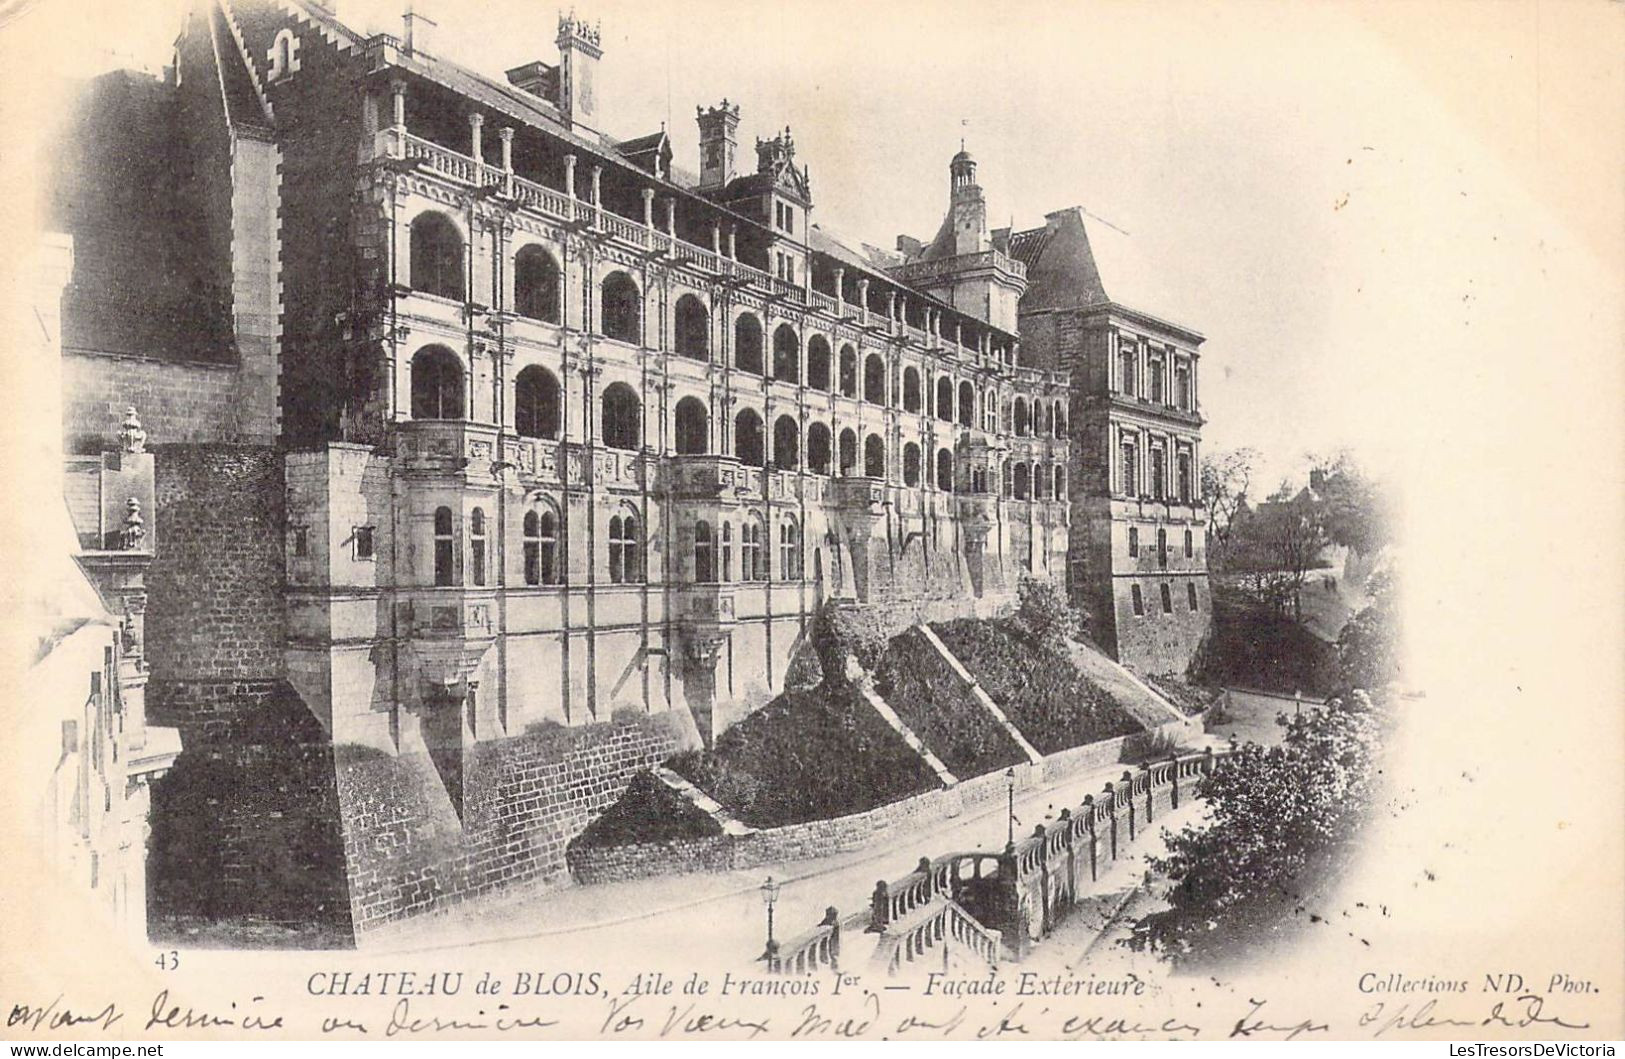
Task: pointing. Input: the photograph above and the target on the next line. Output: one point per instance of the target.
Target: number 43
(167, 961)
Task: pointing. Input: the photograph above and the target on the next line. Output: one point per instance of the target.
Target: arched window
(541, 548)
(536, 403)
(476, 545)
(945, 399)
(786, 443)
(1009, 478)
(967, 404)
(1138, 601)
(911, 389)
(748, 442)
(874, 457)
(437, 384)
(752, 563)
(848, 453)
(911, 464)
(818, 363)
(1060, 483)
(437, 256)
(445, 547)
(1190, 594)
(849, 371)
(1040, 481)
(945, 470)
(1162, 548)
(786, 354)
(748, 344)
(1167, 600)
(625, 566)
(1190, 544)
(693, 427)
(1023, 424)
(704, 567)
(818, 446)
(874, 379)
(621, 426)
(727, 549)
(789, 550)
(1023, 481)
(692, 327)
(536, 284)
(620, 308)
(990, 411)
(1060, 420)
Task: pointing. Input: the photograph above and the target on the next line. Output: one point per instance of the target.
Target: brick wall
(525, 798)
(245, 827)
(319, 114)
(178, 402)
(215, 609)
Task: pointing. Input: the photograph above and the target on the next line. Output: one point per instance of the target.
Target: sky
(1344, 198)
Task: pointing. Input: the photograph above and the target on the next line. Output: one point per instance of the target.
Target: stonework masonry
(495, 459)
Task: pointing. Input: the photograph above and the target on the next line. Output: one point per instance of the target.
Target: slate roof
(1080, 260)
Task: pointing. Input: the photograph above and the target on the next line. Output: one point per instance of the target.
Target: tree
(1368, 646)
(1356, 509)
(1281, 817)
(1273, 547)
(1226, 477)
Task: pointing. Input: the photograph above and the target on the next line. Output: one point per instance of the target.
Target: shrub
(647, 811)
(807, 755)
(1039, 689)
(933, 701)
(1043, 609)
(1281, 817)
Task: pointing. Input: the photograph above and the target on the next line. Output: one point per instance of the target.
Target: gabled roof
(645, 151)
(1078, 260)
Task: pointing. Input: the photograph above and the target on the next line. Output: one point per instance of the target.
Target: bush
(647, 811)
(1044, 610)
(916, 681)
(1045, 696)
(807, 755)
(1281, 818)
(842, 632)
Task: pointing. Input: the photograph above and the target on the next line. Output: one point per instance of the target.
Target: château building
(472, 420)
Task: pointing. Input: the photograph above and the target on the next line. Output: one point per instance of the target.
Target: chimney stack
(580, 48)
(418, 30)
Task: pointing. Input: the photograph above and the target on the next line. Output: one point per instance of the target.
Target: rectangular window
(1137, 599)
(301, 542)
(1167, 600)
(1190, 593)
(1133, 542)
(1190, 543)
(442, 561)
(363, 542)
(1158, 484)
(1130, 471)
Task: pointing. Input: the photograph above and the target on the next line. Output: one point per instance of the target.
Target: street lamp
(1010, 816)
(770, 897)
